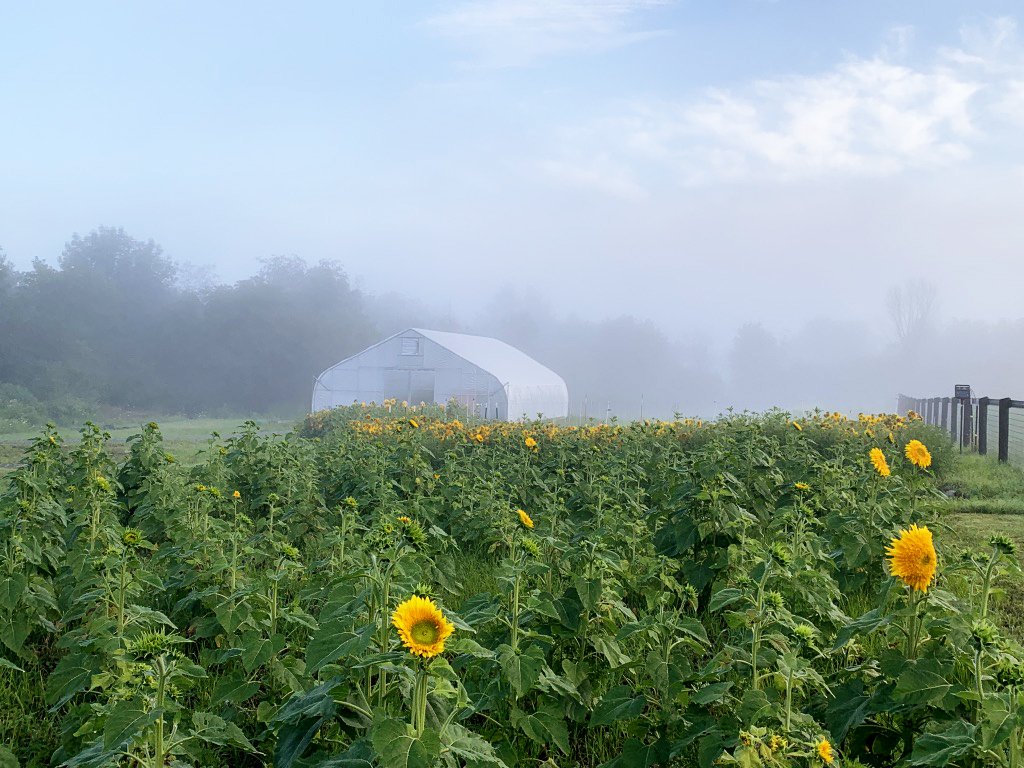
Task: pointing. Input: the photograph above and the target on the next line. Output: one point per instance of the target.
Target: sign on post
(962, 392)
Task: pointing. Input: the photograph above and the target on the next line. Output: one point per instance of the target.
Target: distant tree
(756, 368)
(911, 308)
(7, 274)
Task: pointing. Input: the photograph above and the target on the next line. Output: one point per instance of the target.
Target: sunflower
(796, 426)
(918, 454)
(802, 486)
(912, 557)
(524, 518)
(236, 495)
(414, 424)
(405, 520)
(878, 459)
(530, 443)
(421, 626)
(825, 752)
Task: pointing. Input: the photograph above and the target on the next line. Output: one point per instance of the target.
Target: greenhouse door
(421, 387)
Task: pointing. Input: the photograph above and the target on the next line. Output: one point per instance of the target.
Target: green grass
(185, 438)
(981, 484)
(986, 499)
(26, 727)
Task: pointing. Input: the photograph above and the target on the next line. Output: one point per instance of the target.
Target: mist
(117, 323)
(679, 210)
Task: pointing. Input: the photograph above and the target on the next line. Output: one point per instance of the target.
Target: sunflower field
(394, 587)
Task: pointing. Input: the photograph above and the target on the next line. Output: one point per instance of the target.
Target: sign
(962, 391)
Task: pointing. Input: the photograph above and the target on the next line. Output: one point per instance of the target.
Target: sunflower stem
(419, 700)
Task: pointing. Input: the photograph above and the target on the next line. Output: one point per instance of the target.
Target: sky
(699, 164)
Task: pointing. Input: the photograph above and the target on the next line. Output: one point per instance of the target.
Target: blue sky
(695, 163)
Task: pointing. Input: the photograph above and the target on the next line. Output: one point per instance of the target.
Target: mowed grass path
(183, 437)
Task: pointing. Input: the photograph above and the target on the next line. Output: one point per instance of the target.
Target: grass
(185, 438)
(980, 484)
(25, 724)
(985, 499)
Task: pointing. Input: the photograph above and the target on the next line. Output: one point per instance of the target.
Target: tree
(911, 308)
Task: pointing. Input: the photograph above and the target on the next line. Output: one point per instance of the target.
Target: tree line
(115, 323)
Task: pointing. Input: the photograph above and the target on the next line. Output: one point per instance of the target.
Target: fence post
(968, 430)
(945, 413)
(1004, 429)
(983, 426)
(953, 413)
(935, 410)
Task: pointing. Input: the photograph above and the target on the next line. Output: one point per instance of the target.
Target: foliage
(652, 594)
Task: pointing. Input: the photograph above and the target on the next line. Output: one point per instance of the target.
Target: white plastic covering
(531, 387)
(490, 377)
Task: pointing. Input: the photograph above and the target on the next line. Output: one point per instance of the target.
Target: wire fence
(986, 424)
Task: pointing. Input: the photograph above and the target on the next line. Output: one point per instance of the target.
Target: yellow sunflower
(802, 486)
(530, 443)
(236, 495)
(796, 426)
(912, 557)
(421, 626)
(404, 519)
(413, 423)
(825, 751)
(524, 518)
(878, 459)
(918, 454)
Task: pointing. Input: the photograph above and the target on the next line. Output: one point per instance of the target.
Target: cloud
(509, 33)
(865, 117)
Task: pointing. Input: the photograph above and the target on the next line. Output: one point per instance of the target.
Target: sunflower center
(926, 559)
(425, 632)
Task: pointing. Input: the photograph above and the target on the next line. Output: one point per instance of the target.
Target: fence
(986, 424)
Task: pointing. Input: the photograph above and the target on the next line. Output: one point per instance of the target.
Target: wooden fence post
(953, 434)
(968, 430)
(982, 426)
(1004, 429)
(945, 413)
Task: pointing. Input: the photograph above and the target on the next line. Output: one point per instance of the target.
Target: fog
(680, 209)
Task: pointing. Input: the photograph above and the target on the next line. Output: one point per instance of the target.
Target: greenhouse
(490, 378)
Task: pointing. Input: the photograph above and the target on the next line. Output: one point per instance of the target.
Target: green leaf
(72, 675)
(753, 707)
(397, 747)
(128, 719)
(232, 615)
(11, 589)
(610, 649)
(293, 738)
(724, 597)
(636, 754)
(334, 640)
(710, 694)
(618, 704)
(869, 622)
(919, 685)
(471, 748)
(589, 591)
(258, 650)
(317, 702)
(7, 759)
(521, 669)
(216, 730)
(14, 630)
(940, 748)
(545, 726)
(234, 690)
